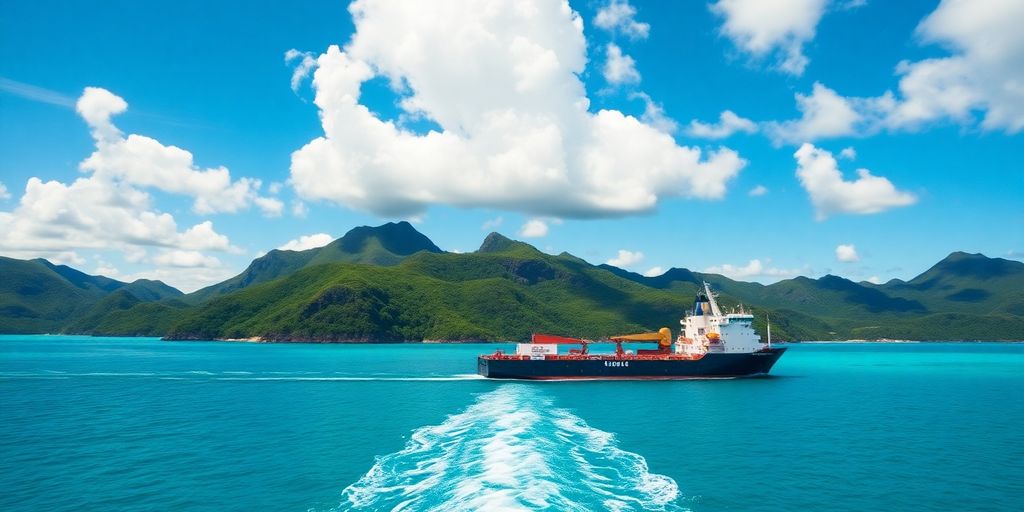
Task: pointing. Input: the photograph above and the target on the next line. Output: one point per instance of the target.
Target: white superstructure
(706, 329)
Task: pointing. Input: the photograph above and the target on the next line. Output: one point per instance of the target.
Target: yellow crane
(663, 337)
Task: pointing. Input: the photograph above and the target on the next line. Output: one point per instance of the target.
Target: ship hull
(712, 365)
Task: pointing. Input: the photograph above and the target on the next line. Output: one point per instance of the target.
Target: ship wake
(511, 450)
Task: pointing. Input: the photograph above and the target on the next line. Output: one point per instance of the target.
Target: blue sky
(922, 91)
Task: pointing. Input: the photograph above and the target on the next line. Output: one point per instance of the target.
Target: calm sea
(141, 424)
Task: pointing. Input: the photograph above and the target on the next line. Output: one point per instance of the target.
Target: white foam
(511, 450)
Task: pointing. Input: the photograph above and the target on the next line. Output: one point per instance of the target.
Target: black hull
(710, 366)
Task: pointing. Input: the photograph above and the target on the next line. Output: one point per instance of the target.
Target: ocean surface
(141, 424)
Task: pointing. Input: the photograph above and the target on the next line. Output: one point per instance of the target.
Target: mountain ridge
(391, 283)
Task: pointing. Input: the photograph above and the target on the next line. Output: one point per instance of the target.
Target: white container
(536, 350)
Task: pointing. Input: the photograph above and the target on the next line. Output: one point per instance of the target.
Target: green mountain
(382, 245)
(504, 291)
(969, 283)
(964, 296)
(37, 296)
(391, 283)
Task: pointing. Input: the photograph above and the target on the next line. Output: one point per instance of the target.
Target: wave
(240, 376)
(447, 378)
(511, 450)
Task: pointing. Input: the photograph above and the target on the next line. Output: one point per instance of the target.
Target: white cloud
(654, 114)
(826, 114)
(502, 82)
(626, 258)
(819, 174)
(92, 213)
(4, 194)
(764, 28)
(728, 124)
(299, 209)
(758, 191)
(185, 259)
(847, 253)
(618, 67)
(306, 242)
(492, 223)
(141, 161)
(109, 210)
(70, 258)
(654, 272)
(134, 254)
(304, 64)
(185, 280)
(534, 228)
(848, 153)
(984, 72)
(875, 280)
(106, 269)
(35, 93)
(753, 269)
(618, 15)
(271, 206)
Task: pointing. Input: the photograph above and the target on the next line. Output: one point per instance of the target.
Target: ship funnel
(700, 305)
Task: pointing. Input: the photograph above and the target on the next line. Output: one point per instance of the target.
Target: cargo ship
(710, 345)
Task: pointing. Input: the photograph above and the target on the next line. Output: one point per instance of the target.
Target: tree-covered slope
(37, 296)
(381, 245)
(506, 291)
(966, 283)
(391, 283)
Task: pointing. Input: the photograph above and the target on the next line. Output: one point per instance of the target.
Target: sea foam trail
(510, 451)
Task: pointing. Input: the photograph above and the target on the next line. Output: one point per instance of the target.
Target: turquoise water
(140, 424)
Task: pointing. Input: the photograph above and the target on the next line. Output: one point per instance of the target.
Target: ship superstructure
(710, 344)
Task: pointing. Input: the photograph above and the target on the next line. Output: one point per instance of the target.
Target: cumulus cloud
(111, 210)
(514, 130)
(984, 72)
(185, 259)
(728, 124)
(306, 242)
(304, 63)
(830, 194)
(826, 114)
(626, 258)
(654, 114)
(142, 161)
(848, 153)
(981, 76)
(4, 194)
(874, 280)
(92, 213)
(753, 269)
(654, 272)
(534, 228)
(618, 67)
(619, 16)
(847, 253)
(772, 28)
(758, 191)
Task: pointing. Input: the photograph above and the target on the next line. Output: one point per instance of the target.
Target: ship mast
(711, 299)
